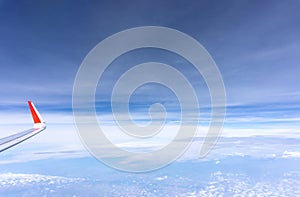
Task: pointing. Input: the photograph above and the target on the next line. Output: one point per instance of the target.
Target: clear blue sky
(255, 44)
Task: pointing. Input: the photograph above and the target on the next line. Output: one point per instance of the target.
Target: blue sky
(255, 44)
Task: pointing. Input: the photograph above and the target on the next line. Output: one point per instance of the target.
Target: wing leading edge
(38, 126)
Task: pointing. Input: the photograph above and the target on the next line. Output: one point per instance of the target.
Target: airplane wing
(38, 126)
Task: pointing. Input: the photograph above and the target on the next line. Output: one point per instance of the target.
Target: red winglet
(34, 113)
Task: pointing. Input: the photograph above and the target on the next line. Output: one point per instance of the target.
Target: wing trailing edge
(38, 126)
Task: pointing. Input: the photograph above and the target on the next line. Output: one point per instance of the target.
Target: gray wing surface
(12, 140)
